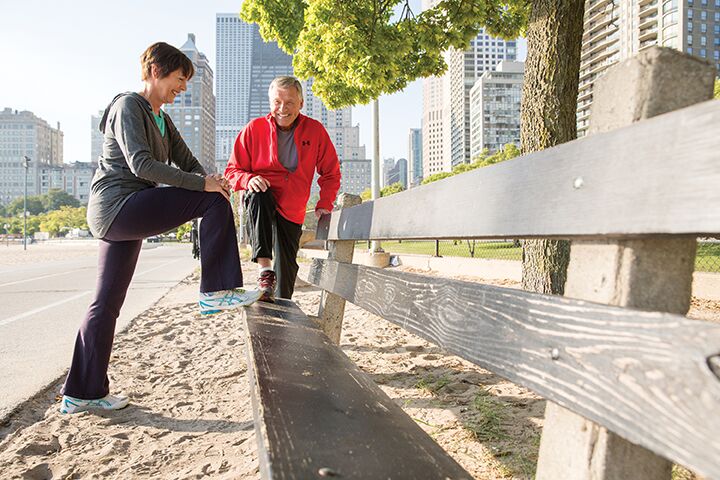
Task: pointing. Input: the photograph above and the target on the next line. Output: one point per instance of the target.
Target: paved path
(42, 305)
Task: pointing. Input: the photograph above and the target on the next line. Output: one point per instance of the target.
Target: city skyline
(67, 75)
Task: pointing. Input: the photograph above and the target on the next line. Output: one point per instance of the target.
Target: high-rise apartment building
(415, 162)
(193, 111)
(616, 30)
(96, 136)
(446, 99)
(464, 68)
(356, 175)
(433, 135)
(77, 177)
(495, 108)
(245, 67)
(398, 173)
(24, 134)
(386, 171)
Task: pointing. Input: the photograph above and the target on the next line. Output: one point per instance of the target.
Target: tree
(550, 89)
(60, 221)
(482, 160)
(717, 88)
(391, 189)
(34, 206)
(356, 51)
(182, 230)
(386, 191)
(57, 198)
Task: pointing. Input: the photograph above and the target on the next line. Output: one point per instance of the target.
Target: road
(43, 304)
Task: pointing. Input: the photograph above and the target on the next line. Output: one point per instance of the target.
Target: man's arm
(328, 167)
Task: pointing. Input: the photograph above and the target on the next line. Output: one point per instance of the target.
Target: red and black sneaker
(266, 285)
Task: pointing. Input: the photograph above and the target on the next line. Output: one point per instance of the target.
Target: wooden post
(332, 307)
(650, 273)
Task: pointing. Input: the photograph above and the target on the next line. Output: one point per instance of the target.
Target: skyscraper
(464, 68)
(355, 175)
(193, 111)
(398, 173)
(96, 136)
(386, 173)
(245, 67)
(617, 30)
(433, 136)
(24, 134)
(415, 160)
(495, 108)
(446, 99)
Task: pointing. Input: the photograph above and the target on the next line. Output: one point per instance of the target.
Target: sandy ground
(190, 415)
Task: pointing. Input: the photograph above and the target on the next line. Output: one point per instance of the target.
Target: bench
(632, 384)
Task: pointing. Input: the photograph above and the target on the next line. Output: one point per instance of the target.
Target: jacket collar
(301, 118)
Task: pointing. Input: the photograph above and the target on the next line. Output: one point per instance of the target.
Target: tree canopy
(57, 198)
(38, 204)
(386, 191)
(34, 206)
(357, 50)
(483, 160)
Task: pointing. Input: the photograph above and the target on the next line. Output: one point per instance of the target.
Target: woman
(127, 205)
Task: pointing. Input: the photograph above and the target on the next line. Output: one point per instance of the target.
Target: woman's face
(169, 87)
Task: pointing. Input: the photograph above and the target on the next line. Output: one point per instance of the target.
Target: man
(274, 160)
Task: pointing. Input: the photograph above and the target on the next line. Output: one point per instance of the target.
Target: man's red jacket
(255, 153)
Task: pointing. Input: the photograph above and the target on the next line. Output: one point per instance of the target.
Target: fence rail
(707, 258)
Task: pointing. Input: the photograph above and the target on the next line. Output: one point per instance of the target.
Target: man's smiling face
(285, 106)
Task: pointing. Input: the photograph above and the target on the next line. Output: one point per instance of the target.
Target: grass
(432, 384)
(517, 456)
(454, 248)
(707, 259)
(681, 473)
(488, 426)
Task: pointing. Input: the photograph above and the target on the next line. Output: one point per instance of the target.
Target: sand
(191, 417)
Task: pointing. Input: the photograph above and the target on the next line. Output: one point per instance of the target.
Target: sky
(64, 61)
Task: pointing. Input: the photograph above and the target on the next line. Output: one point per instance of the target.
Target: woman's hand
(217, 183)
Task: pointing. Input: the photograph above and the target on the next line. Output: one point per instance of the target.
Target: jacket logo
(306, 143)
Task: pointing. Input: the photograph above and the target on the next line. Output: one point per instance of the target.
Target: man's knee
(260, 198)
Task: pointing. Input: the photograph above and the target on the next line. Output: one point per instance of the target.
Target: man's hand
(320, 212)
(258, 184)
(217, 183)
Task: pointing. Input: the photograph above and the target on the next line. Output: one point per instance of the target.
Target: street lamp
(26, 165)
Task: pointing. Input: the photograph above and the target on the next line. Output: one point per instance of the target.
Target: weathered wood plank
(659, 176)
(314, 409)
(646, 376)
(332, 307)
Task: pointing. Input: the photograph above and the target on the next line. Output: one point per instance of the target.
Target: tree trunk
(549, 104)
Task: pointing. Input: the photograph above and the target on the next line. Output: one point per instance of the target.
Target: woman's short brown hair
(167, 59)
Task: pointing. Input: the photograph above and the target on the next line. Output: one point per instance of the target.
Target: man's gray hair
(286, 82)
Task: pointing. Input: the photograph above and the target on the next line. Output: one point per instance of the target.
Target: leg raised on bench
(317, 415)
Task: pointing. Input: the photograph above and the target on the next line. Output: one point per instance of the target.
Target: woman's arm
(127, 124)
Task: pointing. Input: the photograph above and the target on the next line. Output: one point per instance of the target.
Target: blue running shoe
(108, 402)
(214, 302)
